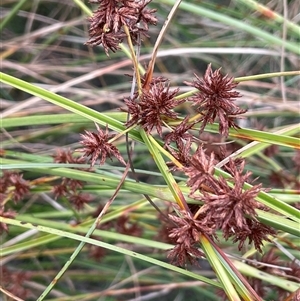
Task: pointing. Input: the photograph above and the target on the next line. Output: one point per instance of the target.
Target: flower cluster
(183, 140)
(186, 236)
(227, 206)
(69, 188)
(13, 186)
(214, 99)
(108, 21)
(97, 145)
(13, 281)
(7, 214)
(153, 107)
(200, 171)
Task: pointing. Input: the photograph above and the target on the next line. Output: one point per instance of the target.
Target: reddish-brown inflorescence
(13, 186)
(228, 205)
(97, 145)
(13, 281)
(229, 208)
(180, 136)
(69, 187)
(256, 233)
(180, 132)
(215, 100)
(186, 236)
(78, 199)
(154, 106)
(21, 186)
(66, 156)
(182, 155)
(7, 214)
(5, 181)
(96, 252)
(124, 225)
(200, 171)
(108, 20)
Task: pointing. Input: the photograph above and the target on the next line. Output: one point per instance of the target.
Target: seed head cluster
(97, 145)
(13, 186)
(108, 21)
(185, 237)
(214, 100)
(153, 107)
(69, 188)
(225, 205)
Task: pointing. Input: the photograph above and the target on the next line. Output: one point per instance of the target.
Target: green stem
(12, 13)
(269, 38)
(270, 14)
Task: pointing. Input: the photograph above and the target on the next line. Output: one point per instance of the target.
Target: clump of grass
(159, 171)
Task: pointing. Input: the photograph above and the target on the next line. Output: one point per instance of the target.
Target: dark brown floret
(215, 100)
(96, 252)
(13, 281)
(60, 190)
(155, 106)
(67, 185)
(200, 171)
(79, 199)
(134, 109)
(256, 233)
(6, 214)
(186, 236)
(66, 156)
(108, 20)
(228, 205)
(21, 186)
(5, 180)
(124, 225)
(14, 180)
(180, 134)
(271, 151)
(182, 155)
(97, 145)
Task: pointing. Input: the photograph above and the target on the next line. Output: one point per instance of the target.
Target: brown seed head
(97, 145)
(155, 105)
(107, 22)
(186, 237)
(215, 100)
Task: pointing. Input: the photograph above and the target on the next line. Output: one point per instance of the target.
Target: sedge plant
(180, 190)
